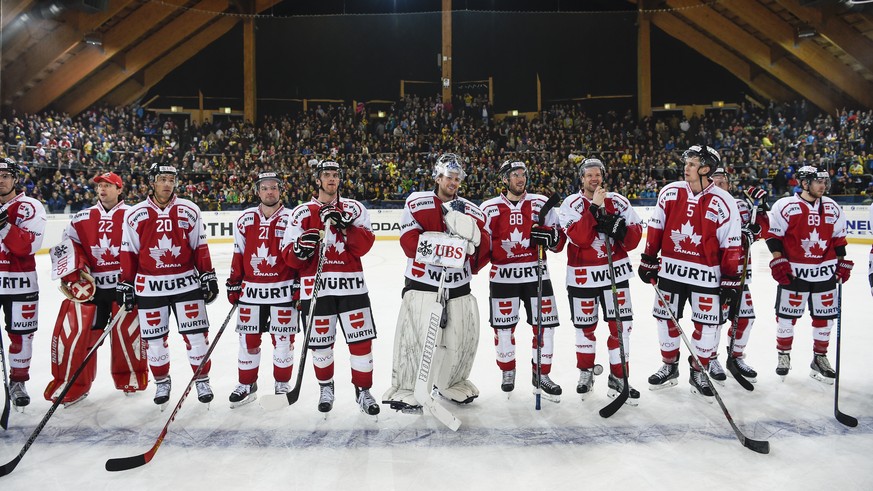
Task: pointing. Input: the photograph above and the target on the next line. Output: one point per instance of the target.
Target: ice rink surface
(672, 440)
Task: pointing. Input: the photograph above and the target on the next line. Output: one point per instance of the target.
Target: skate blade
(19, 409)
(556, 398)
(821, 378)
(164, 406)
(705, 398)
(670, 383)
(630, 401)
(248, 400)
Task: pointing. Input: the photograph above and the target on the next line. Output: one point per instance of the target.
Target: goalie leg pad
(459, 344)
(71, 340)
(409, 335)
(130, 368)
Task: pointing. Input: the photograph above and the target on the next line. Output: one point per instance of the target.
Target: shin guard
(71, 340)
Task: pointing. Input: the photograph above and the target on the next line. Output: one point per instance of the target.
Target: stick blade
(10, 466)
(760, 446)
(738, 376)
(616, 403)
(126, 463)
(845, 419)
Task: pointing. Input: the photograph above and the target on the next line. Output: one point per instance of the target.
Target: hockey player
(755, 199)
(511, 220)
(264, 289)
(807, 238)
(695, 226)
(434, 211)
(91, 244)
(22, 223)
(166, 266)
(342, 296)
(590, 218)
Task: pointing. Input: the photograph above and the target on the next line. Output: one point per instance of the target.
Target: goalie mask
(449, 163)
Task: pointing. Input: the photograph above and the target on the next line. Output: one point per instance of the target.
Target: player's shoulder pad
(82, 215)
(136, 214)
(300, 212)
(352, 208)
(421, 200)
(620, 203)
(471, 209)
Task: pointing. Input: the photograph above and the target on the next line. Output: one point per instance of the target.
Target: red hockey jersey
(19, 241)
(96, 234)
(164, 251)
(698, 236)
(257, 257)
(587, 264)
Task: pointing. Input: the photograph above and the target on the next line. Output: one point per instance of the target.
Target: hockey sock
(361, 355)
(612, 344)
(545, 352)
(20, 352)
(322, 361)
(784, 333)
(717, 341)
(283, 356)
(585, 345)
(821, 335)
(504, 343)
(705, 339)
(159, 357)
(197, 345)
(668, 337)
(741, 338)
(249, 357)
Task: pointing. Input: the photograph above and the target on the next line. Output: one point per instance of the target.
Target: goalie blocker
(81, 319)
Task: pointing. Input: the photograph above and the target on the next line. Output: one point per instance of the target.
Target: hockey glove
(614, 226)
(124, 296)
(754, 194)
(749, 233)
(729, 294)
(648, 270)
(306, 244)
(4, 216)
(844, 269)
(545, 236)
(79, 286)
(780, 268)
(464, 226)
(234, 291)
(209, 286)
(333, 214)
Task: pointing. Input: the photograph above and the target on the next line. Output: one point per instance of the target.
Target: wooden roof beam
(89, 59)
(760, 54)
(768, 23)
(836, 30)
(11, 9)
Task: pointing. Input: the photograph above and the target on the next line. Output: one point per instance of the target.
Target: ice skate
(616, 385)
(243, 394)
(366, 402)
(586, 382)
(700, 385)
(745, 370)
(325, 399)
(821, 370)
(508, 382)
(783, 365)
(19, 396)
(204, 391)
(281, 388)
(550, 390)
(162, 392)
(666, 376)
(716, 372)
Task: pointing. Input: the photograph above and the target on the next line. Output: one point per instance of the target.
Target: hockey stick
(541, 219)
(4, 418)
(622, 397)
(841, 416)
(277, 401)
(10, 466)
(760, 446)
(735, 321)
(127, 463)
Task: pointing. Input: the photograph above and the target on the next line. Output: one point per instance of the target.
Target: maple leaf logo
(813, 246)
(599, 245)
(685, 239)
(516, 245)
(105, 253)
(262, 259)
(164, 252)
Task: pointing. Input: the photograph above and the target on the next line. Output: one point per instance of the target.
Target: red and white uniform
(513, 276)
(588, 276)
(698, 237)
(19, 291)
(809, 233)
(163, 252)
(268, 291)
(342, 295)
(96, 234)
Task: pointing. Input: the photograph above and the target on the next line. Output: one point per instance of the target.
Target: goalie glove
(465, 227)
(79, 286)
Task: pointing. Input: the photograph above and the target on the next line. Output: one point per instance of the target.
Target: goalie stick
(622, 397)
(127, 463)
(541, 219)
(277, 401)
(760, 446)
(10, 466)
(842, 417)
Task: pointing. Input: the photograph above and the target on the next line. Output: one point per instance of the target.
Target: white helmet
(449, 163)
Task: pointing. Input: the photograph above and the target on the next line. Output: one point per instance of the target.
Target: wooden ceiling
(821, 50)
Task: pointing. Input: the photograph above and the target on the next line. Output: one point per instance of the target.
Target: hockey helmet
(808, 173)
(157, 169)
(592, 163)
(708, 157)
(268, 176)
(449, 163)
(507, 167)
(8, 164)
(325, 165)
